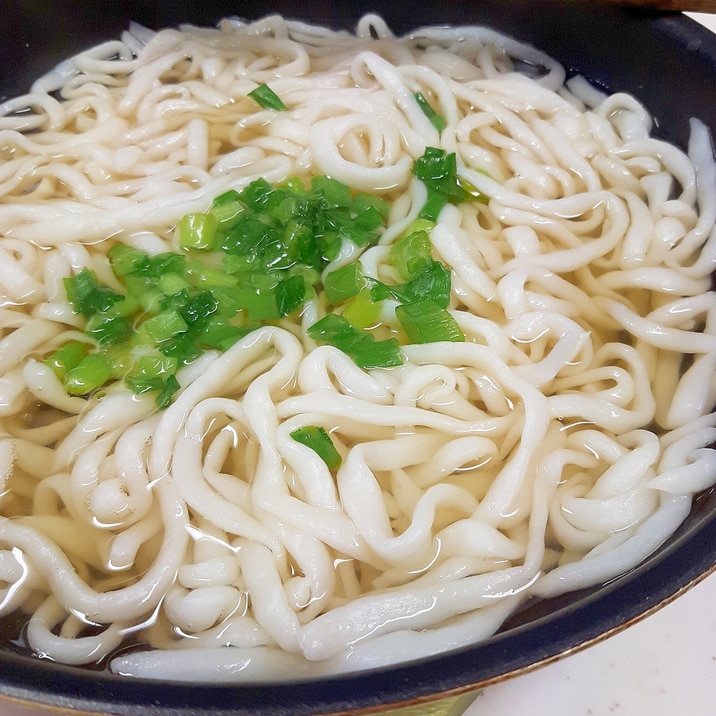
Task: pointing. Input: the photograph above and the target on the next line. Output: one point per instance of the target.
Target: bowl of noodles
(348, 360)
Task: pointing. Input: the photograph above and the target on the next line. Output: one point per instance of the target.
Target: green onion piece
(369, 218)
(438, 171)
(227, 207)
(228, 197)
(183, 348)
(161, 264)
(260, 304)
(290, 294)
(267, 98)
(363, 311)
(197, 310)
(126, 308)
(332, 192)
(220, 335)
(378, 291)
(411, 254)
(246, 235)
(120, 358)
(67, 357)
(433, 283)
(426, 322)
(78, 288)
(333, 329)
(318, 439)
(361, 346)
(435, 203)
(107, 328)
(344, 283)
(149, 369)
(125, 260)
(90, 374)
(164, 326)
(87, 295)
(377, 354)
(204, 277)
(363, 201)
(172, 284)
(144, 292)
(419, 225)
(155, 373)
(259, 195)
(166, 394)
(295, 186)
(197, 231)
(435, 119)
(358, 235)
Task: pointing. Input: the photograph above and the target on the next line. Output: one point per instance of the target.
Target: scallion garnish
(318, 439)
(425, 322)
(254, 258)
(267, 98)
(435, 119)
(361, 346)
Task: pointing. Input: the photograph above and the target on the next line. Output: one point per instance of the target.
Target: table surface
(664, 665)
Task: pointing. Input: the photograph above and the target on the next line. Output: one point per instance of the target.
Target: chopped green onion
(435, 119)
(318, 439)
(438, 171)
(150, 372)
(363, 311)
(377, 354)
(344, 283)
(432, 283)
(201, 276)
(256, 256)
(125, 260)
(435, 203)
(87, 295)
(197, 309)
(164, 326)
(411, 254)
(369, 202)
(221, 335)
(155, 373)
(197, 231)
(333, 192)
(290, 294)
(333, 329)
(67, 357)
(167, 392)
(91, 373)
(426, 322)
(107, 328)
(228, 197)
(259, 303)
(360, 345)
(267, 98)
(172, 284)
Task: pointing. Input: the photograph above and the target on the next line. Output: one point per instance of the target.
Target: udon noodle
(554, 449)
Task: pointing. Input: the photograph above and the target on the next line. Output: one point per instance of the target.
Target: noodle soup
(511, 397)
